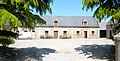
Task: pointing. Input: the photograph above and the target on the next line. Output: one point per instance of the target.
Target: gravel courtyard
(64, 49)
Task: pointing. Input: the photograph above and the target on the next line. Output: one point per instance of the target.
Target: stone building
(68, 27)
(110, 26)
(103, 31)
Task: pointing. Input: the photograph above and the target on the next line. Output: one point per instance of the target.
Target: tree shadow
(24, 54)
(98, 51)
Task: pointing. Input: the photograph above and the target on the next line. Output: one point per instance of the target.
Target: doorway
(55, 34)
(85, 34)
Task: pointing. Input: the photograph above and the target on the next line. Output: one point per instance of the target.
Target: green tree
(7, 37)
(17, 13)
(105, 9)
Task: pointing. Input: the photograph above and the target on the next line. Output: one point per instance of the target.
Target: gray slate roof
(70, 20)
(111, 22)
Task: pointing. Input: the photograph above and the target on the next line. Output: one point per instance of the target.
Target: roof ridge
(66, 16)
(70, 20)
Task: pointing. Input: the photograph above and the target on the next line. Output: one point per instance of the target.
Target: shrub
(46, 37)
(42, 37)
(7, 37)
(65, 37)
(6, 41)
(8, 34)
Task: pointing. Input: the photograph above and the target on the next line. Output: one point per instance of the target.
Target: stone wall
(70, 32)
(117, 46)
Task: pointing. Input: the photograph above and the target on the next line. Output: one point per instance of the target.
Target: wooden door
(85, 34)
(55, 34)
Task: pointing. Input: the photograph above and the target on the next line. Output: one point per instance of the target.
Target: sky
(70, 8)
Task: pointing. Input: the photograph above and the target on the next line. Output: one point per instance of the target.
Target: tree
(17, 13)
(7, 37)
(105, 9)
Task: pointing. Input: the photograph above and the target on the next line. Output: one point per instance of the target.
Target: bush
(8, 34)
(7, 37)
(46, 37)
(42, 37)
(65, 37)
(6, 41)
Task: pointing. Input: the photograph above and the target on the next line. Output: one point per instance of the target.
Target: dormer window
(84, 22)
(55, 23)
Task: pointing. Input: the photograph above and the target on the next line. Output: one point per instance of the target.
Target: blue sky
(70, 8)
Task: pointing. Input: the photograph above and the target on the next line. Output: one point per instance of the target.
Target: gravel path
(65, 49)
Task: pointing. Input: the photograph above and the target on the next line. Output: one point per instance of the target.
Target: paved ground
(65, 49)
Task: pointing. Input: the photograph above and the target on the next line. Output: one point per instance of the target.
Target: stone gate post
(117, 47)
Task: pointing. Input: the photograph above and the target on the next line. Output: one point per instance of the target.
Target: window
(65, 32)
(93, 32)
(17, 31)
(46, 32)
(85, 22)
(55, 23)
(33, 31)
(25, 31)
(78, 32)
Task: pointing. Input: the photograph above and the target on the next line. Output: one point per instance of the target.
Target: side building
(68, 27)
(110, 26)
(103, 31)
